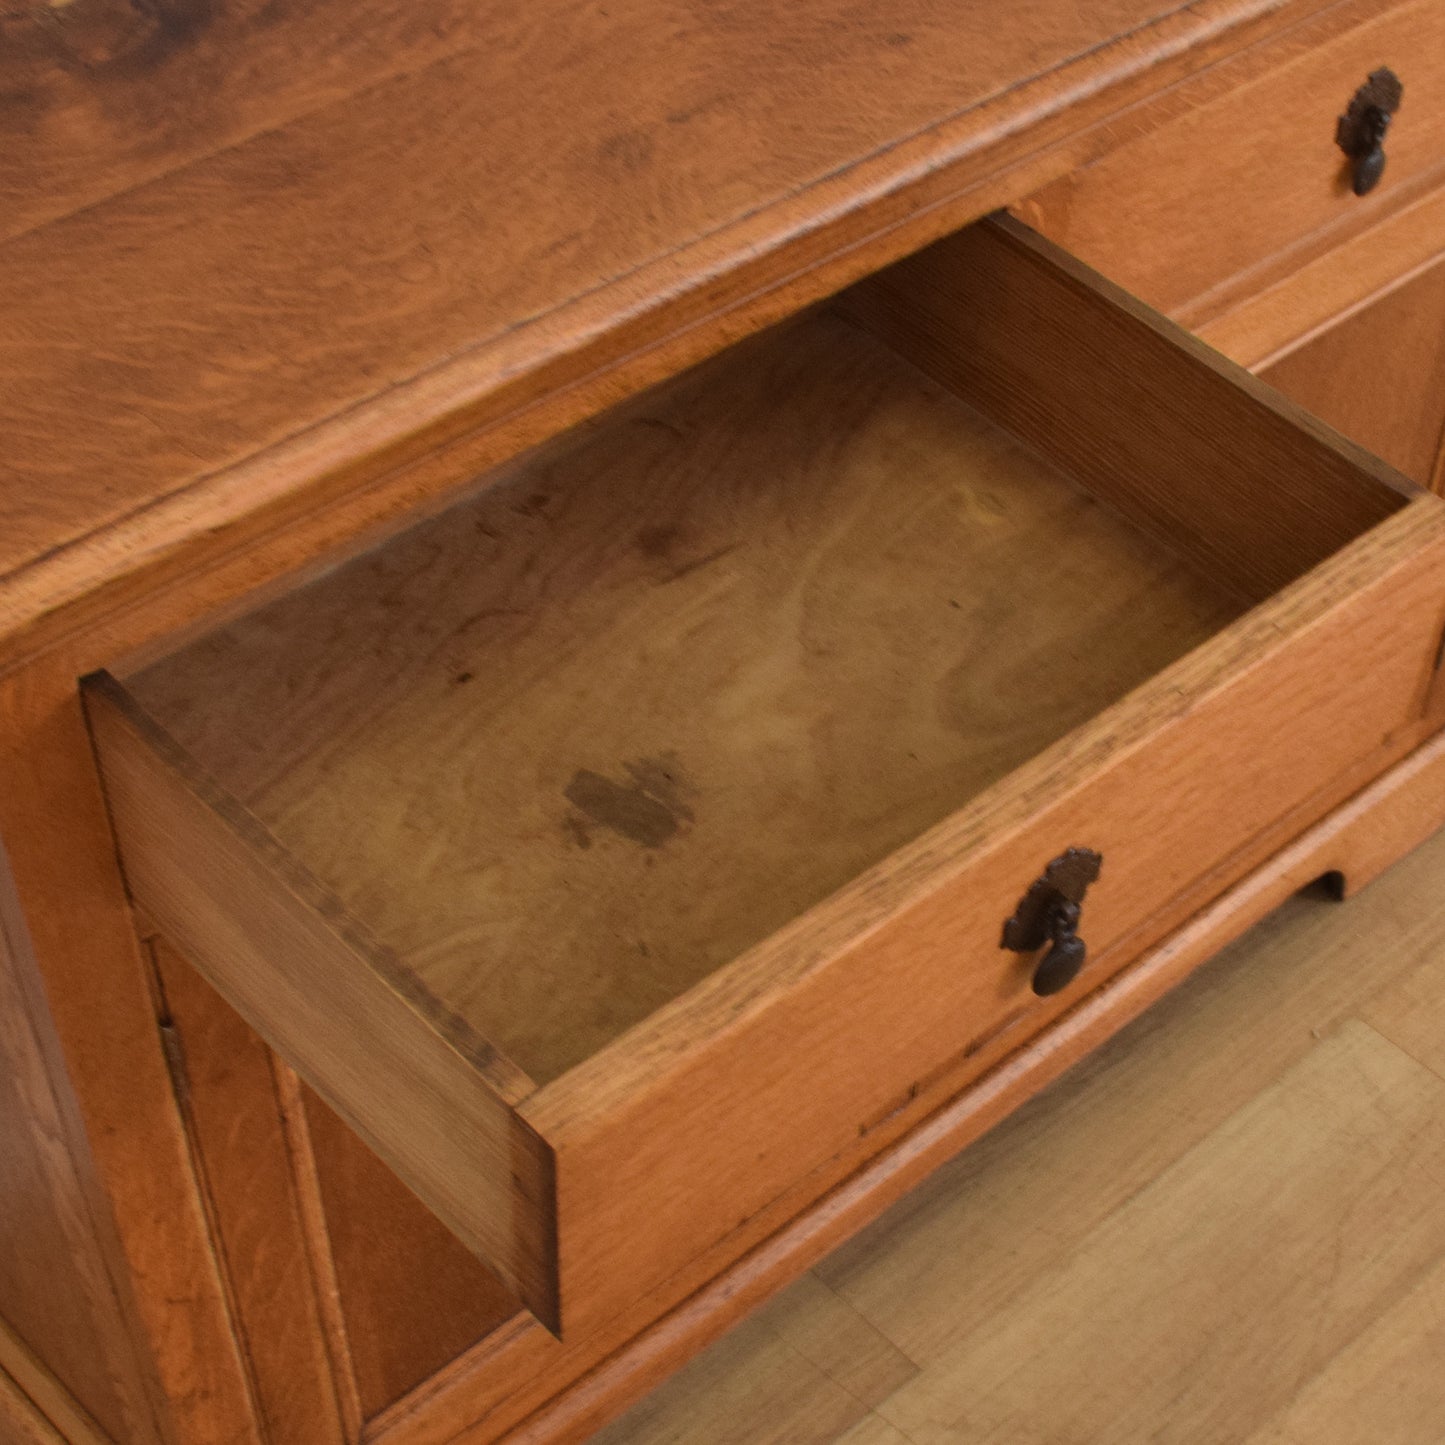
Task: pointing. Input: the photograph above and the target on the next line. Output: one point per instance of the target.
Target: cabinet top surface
(246, 244)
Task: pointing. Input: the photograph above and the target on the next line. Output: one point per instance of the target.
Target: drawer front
(843, 1021)
(837, 1025)
(585, 1192)
(1216, 193)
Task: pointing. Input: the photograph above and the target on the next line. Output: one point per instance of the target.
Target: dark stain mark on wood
(891, 1112)
(656, 541)
(125, 35)
(662, 543)
(658, 423)
(648, 809)
(683, 568)
(531, 506)
(629, 150)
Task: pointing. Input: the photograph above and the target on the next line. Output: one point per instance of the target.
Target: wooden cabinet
(583, 949)
(569, 708)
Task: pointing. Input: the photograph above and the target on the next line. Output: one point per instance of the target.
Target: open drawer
(620, 847)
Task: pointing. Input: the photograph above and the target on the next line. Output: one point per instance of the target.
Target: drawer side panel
(284, 955)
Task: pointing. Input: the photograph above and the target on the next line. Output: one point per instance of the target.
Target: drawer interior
(571, 746)
(651, 693)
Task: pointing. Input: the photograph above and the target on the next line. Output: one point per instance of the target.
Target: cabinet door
(1378, 375)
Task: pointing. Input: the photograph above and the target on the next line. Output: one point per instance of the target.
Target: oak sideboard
(621, 624)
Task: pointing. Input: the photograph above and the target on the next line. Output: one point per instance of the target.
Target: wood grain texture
(259, 329)
(109, 95)
(233, 1118)
(1381, 1385)
(54, 1286)
(1404, 1008)
(939, 1266)
(725, 652)
(167, 1342)
(412, 1298)
(1255, 1219)
(728, 1027)
(260, 566)
(1159, 785)
(20, 1422)
(1319, 292)
(664, 616)
(873, 1430)
(804, 1367)
(517, 1370)
(734, 531)
(1159, 216)
(291, 1097)
(646, 131)
(318, 989)
(37, 1387)
(1380, 824)
(1378, 374)
(1116, 396)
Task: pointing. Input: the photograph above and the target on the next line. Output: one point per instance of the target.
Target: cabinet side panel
(55, 1291)
(235, 1122)
(168, 1339)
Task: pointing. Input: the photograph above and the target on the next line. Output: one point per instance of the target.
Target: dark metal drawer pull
(1360, 132)
(1049, 914)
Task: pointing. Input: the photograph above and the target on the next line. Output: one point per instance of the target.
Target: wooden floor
(1228, 1226)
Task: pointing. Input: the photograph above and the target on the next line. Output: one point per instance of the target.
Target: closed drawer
(1214, 194)
(622, 846)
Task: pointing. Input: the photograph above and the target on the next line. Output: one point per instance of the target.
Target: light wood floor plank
(1318, 1203)
(874, 1430)
(1409, 1006)
(801, 1371)
(1386, 1386)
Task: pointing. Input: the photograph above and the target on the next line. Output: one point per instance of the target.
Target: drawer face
(621, 847)
(1206, 197)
